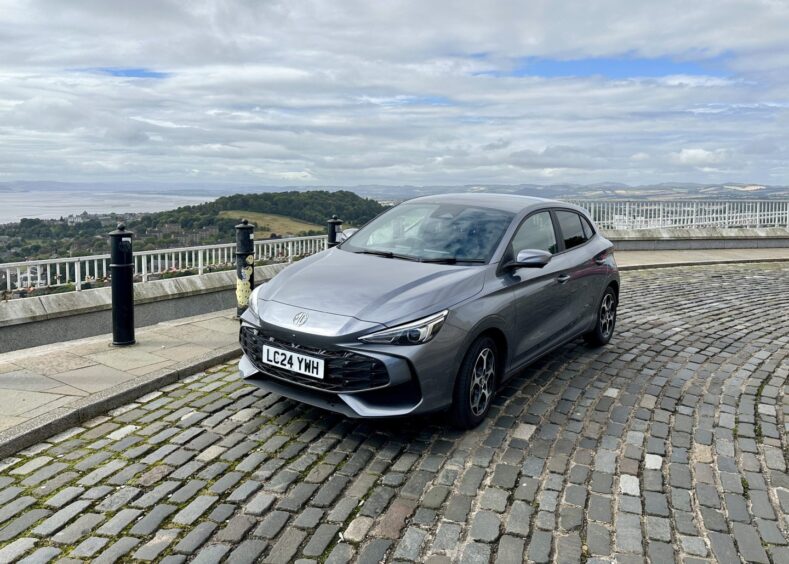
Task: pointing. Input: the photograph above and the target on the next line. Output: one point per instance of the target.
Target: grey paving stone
(374, 551)
(598, 539)
(539, 549)
(723, 548)
(13, 550)
(340, 554)
(749, 543)
(485, 526)
(628, 533)
(185, 493)
(22, 523)
(247, 552)
(286, 547)
(475, 553)
(78, 529)
(235, 530)
(152, 519)
(494, 499)
(447, 537)
(321, 539)
(210, 554)
(194, 510)
(510, 550)
(410, 544)
(15, 507)
(89, 547)
(59, 519)
(153, 548)
(41, 555)
(195, 538)
(116, 550)
(118, 522)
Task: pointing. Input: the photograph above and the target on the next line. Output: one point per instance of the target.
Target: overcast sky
(424, 92)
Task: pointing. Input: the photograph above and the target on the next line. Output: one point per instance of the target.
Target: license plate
(294, 362)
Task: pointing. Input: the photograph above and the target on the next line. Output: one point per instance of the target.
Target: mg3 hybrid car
(431, 306)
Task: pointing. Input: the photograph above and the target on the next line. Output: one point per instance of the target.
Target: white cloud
(699, 157)
(355, 92)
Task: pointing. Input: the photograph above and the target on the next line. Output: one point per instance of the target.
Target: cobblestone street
(668, 444)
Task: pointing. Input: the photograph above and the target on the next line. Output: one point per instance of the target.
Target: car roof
(505, 202)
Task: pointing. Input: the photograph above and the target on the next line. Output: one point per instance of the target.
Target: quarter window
(588, 229)
(572, 230)
(535, 233)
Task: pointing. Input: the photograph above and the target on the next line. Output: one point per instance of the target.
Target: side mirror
(343, 235)
(531, 258)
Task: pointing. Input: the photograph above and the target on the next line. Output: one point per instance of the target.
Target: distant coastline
(46, 204)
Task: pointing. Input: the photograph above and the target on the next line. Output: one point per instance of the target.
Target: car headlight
(414, 333)
(253, 300)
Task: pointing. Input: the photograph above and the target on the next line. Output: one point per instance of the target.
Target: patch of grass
(272, 223)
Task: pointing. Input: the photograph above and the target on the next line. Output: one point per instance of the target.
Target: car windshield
(433, 232)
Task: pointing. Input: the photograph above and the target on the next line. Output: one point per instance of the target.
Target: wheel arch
(492, 329)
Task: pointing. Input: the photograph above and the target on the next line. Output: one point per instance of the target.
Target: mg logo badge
(300, 319)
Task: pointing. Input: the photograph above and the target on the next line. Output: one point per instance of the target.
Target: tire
(606, 320)
(475, 385)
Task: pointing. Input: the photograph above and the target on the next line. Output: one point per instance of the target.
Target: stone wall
(41, 320)
(685, 239)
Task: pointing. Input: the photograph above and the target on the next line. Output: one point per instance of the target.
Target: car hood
(372, 288)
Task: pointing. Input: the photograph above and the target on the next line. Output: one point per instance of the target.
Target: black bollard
(122, 280)
(333, 229)
(245, 264)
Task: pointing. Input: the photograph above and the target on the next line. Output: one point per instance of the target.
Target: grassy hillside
(272, 223)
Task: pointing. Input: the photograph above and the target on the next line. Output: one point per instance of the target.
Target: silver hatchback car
(431, 306)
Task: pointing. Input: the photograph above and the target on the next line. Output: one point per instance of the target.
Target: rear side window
(535, 233)
(572, 229)
(588, 229)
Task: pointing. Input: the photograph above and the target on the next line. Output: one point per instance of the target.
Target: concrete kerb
(699, 263)
(36, 430)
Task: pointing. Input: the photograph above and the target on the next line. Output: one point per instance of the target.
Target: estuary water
(45, 204)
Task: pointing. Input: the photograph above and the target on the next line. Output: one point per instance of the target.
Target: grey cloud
(339, 92)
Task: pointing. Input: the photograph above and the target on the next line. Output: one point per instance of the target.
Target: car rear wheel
(606, 320)
(475, 385)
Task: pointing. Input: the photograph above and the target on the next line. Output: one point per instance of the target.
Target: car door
(578, 267)
(537, 295)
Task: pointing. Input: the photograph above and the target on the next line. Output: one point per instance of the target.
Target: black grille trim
(344, 371)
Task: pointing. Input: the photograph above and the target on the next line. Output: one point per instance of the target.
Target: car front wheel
(606, 319)
(475, 385)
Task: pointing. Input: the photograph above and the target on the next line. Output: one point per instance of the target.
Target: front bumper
(361, 380)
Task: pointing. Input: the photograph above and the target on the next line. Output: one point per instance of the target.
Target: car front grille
(344, 371)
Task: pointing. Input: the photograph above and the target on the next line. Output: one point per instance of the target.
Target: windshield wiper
(385, 254)
(451, 260)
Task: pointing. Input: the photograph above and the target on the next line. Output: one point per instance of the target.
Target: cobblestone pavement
(668, 444)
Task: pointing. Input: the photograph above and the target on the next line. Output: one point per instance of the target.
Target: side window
(535, 233)
(588, 229)
(572, 230)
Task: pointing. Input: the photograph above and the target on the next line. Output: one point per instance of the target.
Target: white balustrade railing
(81, 271)
(686, 214)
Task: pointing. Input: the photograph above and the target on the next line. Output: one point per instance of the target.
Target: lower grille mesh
(344, 371)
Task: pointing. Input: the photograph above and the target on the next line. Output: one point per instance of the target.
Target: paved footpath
(44, 383)
(668, 444)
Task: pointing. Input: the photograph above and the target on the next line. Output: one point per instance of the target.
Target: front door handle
(562, 278)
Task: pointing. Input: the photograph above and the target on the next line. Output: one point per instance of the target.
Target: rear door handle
(562, 278)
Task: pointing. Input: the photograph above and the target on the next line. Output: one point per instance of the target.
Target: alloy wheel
(607, 315)
(482, 379)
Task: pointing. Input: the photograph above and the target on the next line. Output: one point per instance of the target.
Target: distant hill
(723, 190)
